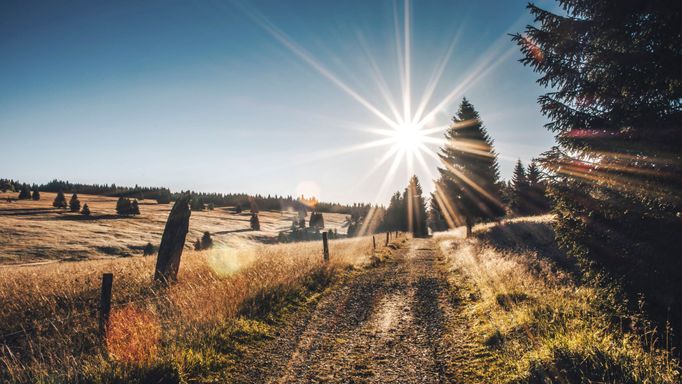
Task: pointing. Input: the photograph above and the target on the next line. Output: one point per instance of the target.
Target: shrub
(86, 210)
(59, 200)
(75, 204)
(206, 241)
(148, 249)
(255, 222)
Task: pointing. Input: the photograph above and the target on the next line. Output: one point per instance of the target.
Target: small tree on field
(59, 200)
(36, 194)
(126, 207)
(206, 241)
(24, 193)
(86, 210)
(134, 208)
(148, 249)
(255, 222)
(74, 203)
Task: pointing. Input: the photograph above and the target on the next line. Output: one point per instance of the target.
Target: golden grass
(33, 231)
(536, 323)
(236, 288)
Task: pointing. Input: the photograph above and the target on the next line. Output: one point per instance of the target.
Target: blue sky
(249, 96)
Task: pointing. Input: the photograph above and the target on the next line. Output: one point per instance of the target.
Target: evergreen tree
(437, 219)
(60, 200)
(74, 203)
(134, 207)
(238, 209)
(197, 203)
(148, 249)
(255, 222)
(416, 208)
(86, 210)
(36, 193)
(537, 190)
(123, 206)
(615, 79)
(24, 192)
(519, 190)
(469, 176)
(395, 218)
(206, 241)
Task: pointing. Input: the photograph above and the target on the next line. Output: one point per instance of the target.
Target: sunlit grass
(536, 323)
(187, 330)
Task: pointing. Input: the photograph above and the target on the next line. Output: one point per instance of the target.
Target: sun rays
(409, 135)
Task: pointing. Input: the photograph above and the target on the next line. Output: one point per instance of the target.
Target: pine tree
(615, 85)
(255, 222)
(437, 219)
(74, 203)
(36, 193)
(519, 190)
(134, 207)
(86, 210)
(537, 190)
(123, 206)
(60, 200)
(24, 192)
(470, 173)
(206, 241)
(416, 208)
(148, 249)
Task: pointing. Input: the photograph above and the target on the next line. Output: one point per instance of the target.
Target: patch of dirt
(384, 324)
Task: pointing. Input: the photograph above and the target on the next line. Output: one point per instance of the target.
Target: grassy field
(227, 298)
(33, 231)
(529, 315)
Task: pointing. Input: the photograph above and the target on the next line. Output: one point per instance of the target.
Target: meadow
(34, 231)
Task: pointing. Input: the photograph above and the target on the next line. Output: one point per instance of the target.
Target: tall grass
(226, 297)
(538, 323)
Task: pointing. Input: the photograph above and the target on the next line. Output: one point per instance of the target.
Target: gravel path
(386, 324)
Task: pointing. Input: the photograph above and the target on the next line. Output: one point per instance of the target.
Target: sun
(409, 137)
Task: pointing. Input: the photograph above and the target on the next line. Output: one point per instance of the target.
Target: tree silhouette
(469, 176)
(74, 203)
(416, 208)
(86, 210)
(59, 200)
(255, 222)
(519, 190)
(206, 241)
(24, 192)
(36, 193)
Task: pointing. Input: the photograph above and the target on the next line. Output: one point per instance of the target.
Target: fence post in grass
(173, 241)
(325, 246)
(374, 243)
(105, 303)
(387, 239)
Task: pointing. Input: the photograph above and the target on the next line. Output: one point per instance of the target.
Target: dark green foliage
(416, 208)
(615, 73)
(36, 193)
(519, 190)
(395, 218)
(86, 210)
(316, 221)
(255, 222)
(148, 249)
(468, 188)
(164, 196)
(205, 242)
(124, 206)
(24, 193)
(437, 220)
(74, 203)
(60, 200)
(7, 185)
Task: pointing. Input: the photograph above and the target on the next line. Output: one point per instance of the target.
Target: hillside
(33, 231)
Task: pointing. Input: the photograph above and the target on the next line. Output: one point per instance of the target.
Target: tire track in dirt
(384, 325)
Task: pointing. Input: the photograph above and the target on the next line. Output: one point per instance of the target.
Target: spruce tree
(86, 210)
(416, 208)
(206, 241)
(123, 206)
(614, 79)
(24, 192)
(537, 190)
(519, 190)
(255, 222)
(134, 207)
(36, 193)
(60, 200)
(437, 221)
(74, 203)
(469, 171)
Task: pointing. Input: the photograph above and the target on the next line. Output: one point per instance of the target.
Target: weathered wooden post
(374, 243)
(105, 303)
(173, 241)
(387, 239)
(325, 247)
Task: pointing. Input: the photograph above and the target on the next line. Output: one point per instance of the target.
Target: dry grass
(33, 231)
(536, 323)
(226, 298)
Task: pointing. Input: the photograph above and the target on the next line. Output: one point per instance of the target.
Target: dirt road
(384, 325)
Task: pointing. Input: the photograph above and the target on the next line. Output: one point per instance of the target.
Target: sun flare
(409, 137)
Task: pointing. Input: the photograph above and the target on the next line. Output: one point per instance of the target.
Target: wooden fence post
(374, 243)
(387, 239)
(105, 303)
(325, 247)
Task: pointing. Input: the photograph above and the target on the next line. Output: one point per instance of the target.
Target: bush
(86, 210)
(206, 241)
(148, 249)
(255, 222)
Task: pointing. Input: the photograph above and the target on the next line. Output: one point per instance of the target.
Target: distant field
(34, 231)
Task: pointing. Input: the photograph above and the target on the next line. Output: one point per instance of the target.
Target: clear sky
(270, 97)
